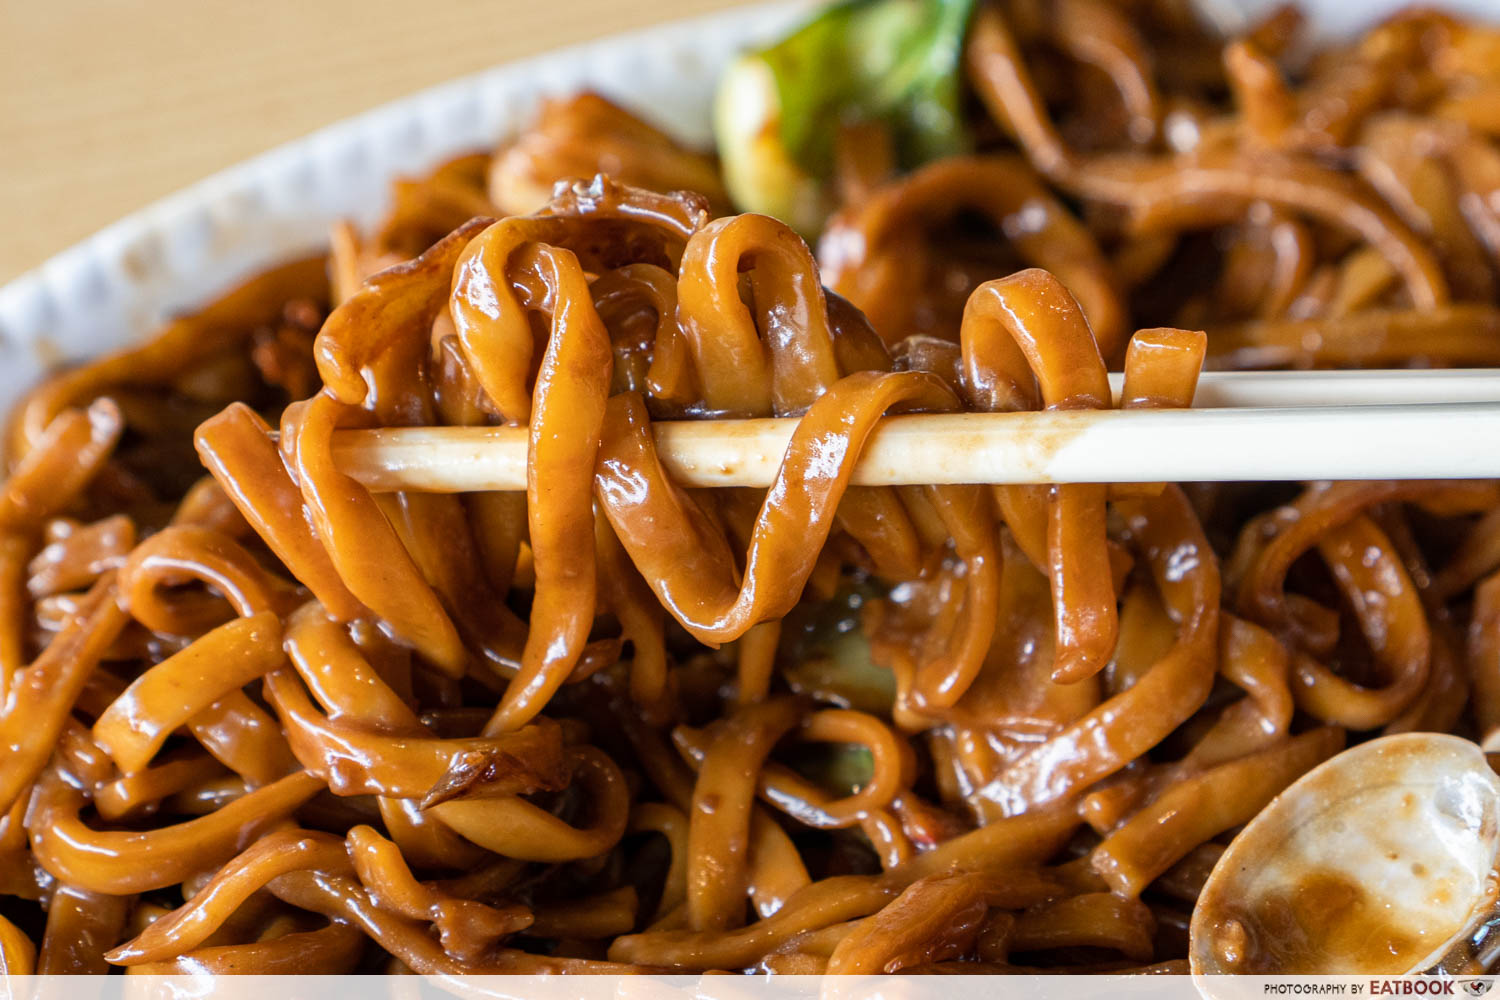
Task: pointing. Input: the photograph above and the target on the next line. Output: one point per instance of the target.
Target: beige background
(106, 105)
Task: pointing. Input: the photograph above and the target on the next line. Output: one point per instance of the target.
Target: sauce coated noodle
(258, 719)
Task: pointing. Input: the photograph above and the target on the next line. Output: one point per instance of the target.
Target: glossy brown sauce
(1324, 923)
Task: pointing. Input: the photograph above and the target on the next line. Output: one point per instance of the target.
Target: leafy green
(826, 655)
(778, 110)
(840, 769)
(892, 61)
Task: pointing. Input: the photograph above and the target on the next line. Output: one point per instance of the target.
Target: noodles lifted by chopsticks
(259, 719)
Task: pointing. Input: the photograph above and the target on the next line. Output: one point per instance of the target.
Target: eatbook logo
(1421, 986)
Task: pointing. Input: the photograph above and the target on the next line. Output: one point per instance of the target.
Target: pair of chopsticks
(1245, 426)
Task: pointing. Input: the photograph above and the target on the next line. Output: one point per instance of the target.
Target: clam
(1381, 861)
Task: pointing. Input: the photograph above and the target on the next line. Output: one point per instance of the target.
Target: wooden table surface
(106, 105)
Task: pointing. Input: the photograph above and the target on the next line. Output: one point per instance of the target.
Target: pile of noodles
(258, 719)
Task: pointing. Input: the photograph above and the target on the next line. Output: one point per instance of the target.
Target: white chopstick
(1378, 387)
(1384, 425)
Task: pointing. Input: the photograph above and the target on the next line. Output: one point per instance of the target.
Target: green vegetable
(840, 769)
(826, 656)
(778, 110)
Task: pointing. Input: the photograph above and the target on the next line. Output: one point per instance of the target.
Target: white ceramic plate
(121, 283)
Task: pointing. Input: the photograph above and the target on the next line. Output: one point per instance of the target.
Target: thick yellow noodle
(255, 717)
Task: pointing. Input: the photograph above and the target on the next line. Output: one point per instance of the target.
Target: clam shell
(1379, 861)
